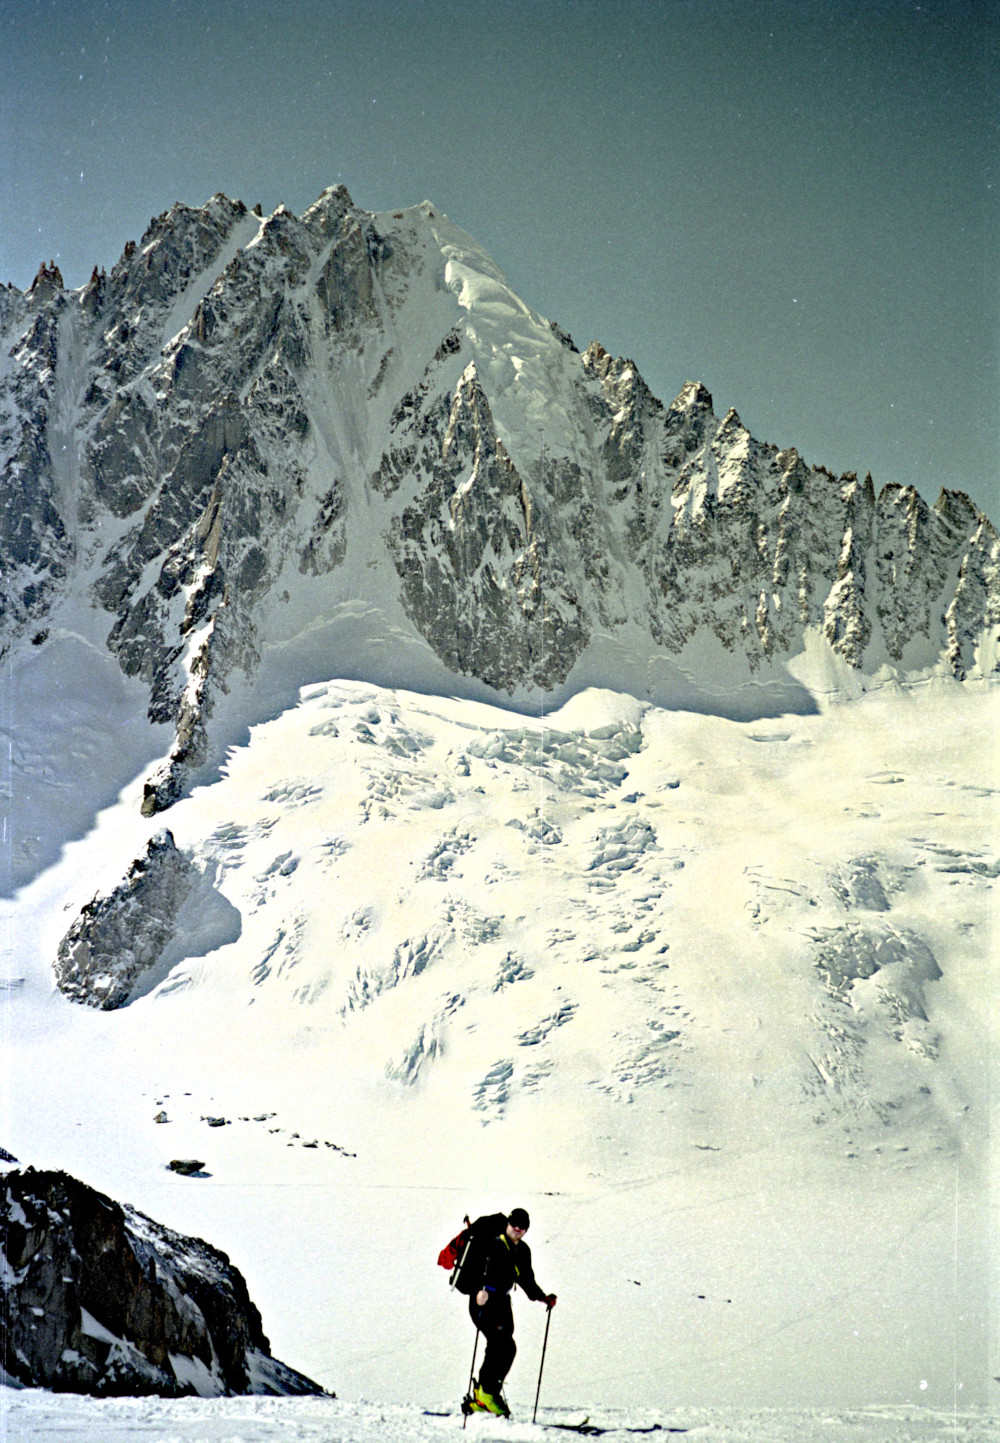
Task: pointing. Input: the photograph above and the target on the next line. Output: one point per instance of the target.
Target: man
(506, 1261)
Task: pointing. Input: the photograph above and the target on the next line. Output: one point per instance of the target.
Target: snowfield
(714, 1000)
(34, 1415)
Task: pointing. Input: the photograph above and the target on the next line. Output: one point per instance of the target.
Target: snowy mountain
(442, 778)
(274, 440)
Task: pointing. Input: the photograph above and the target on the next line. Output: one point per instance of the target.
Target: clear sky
(793, 201)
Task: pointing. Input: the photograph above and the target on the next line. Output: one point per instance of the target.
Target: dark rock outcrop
(97, 1298)
(117, 938)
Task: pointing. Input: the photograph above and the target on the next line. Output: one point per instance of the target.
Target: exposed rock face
(256, 419)
(99, 1299)
(475, 565)
(119, 937)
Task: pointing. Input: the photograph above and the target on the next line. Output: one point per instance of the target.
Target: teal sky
(793, 201)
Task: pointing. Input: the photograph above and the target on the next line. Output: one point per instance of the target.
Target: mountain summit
(278, 441)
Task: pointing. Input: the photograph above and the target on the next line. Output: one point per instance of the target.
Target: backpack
(465, 1255)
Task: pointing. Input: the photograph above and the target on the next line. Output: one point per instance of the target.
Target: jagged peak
(602, 363)
(692, 396)
(469, 394)
(957, 509)
(896, 497)
(948, 497)
(793, 470)
(180, 213)
(92, 292)
(328, 209)
(597, 362)
(337, 192)
(280, 221)
(620, 377)
(856, 492)
(47, 283)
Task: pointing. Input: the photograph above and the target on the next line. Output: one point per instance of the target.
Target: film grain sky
(793, 201)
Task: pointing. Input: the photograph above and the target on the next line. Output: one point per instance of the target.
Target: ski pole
(545, 1344)
(475, 1346)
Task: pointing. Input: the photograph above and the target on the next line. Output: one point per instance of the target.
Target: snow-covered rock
(259, 431)
(96, 1298)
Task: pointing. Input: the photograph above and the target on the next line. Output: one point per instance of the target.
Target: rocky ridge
(252, 424)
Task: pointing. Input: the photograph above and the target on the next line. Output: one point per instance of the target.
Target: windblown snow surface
(714, 1000)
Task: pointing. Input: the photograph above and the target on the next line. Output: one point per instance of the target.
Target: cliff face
(99, 1299)
(254, 426)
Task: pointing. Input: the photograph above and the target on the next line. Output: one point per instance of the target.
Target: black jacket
(506, 1263)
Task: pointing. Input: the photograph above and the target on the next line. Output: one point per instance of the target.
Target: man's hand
(482, 1298)
(550, 1301)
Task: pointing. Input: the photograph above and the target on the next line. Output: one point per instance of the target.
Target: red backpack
(465, 1255)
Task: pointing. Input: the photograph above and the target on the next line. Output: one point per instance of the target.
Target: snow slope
(715, 1001)
(244, 1420)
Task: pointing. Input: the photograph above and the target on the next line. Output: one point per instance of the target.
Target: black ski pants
(496, 1323)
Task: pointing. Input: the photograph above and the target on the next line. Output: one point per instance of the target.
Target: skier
(506, 1261)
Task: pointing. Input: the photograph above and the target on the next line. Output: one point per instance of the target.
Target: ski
(585, 1428)
(591, 1430)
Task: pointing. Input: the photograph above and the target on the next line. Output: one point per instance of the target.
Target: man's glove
(550, 1300)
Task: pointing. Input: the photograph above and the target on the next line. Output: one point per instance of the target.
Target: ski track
(30, 1416)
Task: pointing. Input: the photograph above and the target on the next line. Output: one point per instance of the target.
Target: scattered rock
(187, 1166)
